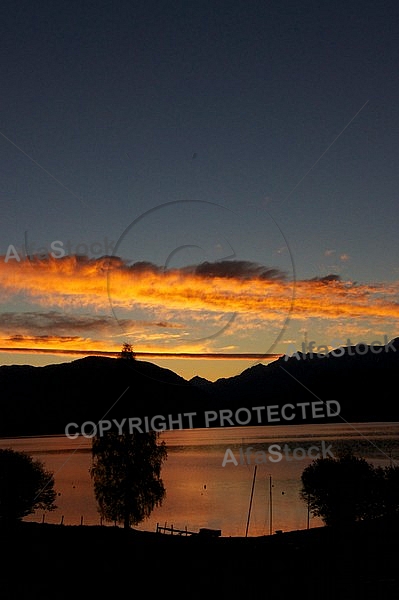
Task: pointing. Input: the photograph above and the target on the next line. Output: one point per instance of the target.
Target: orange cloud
(165, 307)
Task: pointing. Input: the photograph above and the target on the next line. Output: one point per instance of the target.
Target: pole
(250, 501)
(271, 505)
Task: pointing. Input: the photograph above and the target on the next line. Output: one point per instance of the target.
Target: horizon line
(111, 353)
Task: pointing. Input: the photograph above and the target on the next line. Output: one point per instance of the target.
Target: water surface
(203, 493)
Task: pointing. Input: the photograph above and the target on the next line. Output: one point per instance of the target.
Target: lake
(200, 491)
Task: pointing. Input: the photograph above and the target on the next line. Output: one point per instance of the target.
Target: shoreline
(57, 561)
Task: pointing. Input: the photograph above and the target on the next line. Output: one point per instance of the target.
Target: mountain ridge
(43, 400)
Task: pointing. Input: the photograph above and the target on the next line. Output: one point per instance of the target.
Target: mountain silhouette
(363, 384)
(43, 400)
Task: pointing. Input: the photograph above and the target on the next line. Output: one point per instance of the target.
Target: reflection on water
(202, 493)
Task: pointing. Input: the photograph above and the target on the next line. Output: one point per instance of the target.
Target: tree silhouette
(127, 352)
(341, 490)
(386, 491)
(25, 486)
(127, 475)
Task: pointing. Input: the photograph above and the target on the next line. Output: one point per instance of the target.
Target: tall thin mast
(270, 505)
(250, 501)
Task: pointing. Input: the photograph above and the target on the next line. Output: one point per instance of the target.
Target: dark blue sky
(282, 112)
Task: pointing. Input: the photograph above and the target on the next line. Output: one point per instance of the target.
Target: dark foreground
(60, 562)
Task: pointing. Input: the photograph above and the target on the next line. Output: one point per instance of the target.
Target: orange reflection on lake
(200, 492)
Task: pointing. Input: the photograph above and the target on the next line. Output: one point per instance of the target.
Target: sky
(212, 182)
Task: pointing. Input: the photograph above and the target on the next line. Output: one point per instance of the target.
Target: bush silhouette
(348, 489)
(25, 486)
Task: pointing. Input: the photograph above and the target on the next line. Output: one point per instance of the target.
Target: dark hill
(43, 400)
(364, 385)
